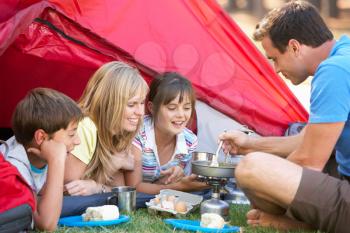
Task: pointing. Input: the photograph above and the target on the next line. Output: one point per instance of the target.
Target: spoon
(214, 161)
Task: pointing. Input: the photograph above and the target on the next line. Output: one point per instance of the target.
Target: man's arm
(237, 142)
(317, 145)
(281, 146)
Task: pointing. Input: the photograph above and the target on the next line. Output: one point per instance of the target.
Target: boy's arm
(50, 203)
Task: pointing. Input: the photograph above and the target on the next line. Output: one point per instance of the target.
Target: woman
(113, 103)
(163, 148)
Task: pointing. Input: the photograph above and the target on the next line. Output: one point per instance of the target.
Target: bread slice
(101, 213)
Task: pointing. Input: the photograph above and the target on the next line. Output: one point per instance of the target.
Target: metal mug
(124, 197)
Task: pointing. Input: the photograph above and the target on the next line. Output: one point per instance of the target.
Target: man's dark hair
(297, 20)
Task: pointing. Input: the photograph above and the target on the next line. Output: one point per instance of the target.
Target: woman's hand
(124, 161)
(172, 175)
(82, 187)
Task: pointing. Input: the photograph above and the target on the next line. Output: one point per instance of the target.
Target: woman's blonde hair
(104, 100)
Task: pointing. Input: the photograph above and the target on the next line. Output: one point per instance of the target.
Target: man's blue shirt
(330, 98)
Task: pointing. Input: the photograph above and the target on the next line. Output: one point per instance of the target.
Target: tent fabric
(59, 44)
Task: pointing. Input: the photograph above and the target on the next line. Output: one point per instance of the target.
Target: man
(283, 176)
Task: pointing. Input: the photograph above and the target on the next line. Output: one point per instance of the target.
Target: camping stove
(215, 204)
(216, 177)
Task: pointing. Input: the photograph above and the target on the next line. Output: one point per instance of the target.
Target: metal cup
(124, 197)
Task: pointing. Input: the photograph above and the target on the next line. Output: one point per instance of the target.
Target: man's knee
(248, 167)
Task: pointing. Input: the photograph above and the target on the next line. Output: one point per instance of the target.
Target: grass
(141, 221)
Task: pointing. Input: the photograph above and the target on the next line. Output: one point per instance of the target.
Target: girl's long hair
(104, 100)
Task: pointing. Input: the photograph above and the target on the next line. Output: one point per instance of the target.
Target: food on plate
(181, 207)
(212, 220)
(99, 213)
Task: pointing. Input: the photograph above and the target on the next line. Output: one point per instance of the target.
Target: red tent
(60, 43)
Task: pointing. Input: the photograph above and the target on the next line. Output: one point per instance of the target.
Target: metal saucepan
(201, 166)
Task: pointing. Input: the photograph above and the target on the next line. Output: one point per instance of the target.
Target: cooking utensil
(214, 162)
(216, 206)
(215, 177)
(201, 165)
(125, 197)
(204, 168)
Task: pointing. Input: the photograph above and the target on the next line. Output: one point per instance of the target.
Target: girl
(113, 103)
(163, 148)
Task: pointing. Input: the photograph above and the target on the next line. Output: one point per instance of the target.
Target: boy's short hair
(298, 20)
(46, 109)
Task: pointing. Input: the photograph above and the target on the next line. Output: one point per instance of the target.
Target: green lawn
(142, 221)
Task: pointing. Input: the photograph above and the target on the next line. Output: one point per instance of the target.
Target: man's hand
(50, 150)
(82, 187)
(172, 175)
(235, 142)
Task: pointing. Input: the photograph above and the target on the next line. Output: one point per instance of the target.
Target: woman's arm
(134, 177)
(74, 168)
(74, 185)
(123, 160)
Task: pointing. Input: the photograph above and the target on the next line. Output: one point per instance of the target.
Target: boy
(44, 124)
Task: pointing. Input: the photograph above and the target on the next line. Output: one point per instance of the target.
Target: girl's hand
(82, 187)
(190, 183)
(173, 174)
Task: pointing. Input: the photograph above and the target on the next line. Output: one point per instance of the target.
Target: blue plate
(77, 221)
(194, 225)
